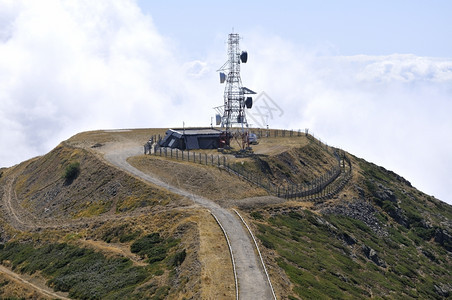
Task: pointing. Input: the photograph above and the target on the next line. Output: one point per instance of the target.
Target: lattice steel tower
(235, 101)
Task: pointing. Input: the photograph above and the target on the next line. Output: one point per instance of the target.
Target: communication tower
(235, 95)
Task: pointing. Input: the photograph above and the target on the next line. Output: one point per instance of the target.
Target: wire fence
(323, 187)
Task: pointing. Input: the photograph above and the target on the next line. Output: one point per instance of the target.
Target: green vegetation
(121, 234)
(156, 248)
(323, 257)
(82, 273)
(72, 171)
(256, 215)
(86, 274)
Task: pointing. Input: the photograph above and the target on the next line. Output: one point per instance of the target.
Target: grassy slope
(392, 248)
(326, 253)
(100, 190)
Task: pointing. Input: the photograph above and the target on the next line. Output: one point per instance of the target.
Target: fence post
(171, 152)
(200, 159)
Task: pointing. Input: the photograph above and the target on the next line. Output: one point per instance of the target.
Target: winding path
(42, 289)
(252, 280)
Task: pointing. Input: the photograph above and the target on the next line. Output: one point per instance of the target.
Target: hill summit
(96, 218)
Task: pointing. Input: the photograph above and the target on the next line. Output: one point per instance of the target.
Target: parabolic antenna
(249, 102)
(244, 57)
(222, 77)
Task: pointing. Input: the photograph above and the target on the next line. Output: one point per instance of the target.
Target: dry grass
(90, 138)
(113, 250)
(206, 181)
(216, 267)
(274, 146)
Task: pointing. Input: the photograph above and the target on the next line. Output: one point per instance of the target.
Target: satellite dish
(222, 77)
(249, 102)
(218, 119)
(244, 57)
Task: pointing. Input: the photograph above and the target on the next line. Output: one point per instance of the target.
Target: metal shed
(192, 138)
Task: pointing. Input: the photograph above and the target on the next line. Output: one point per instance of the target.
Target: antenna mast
(234, 93)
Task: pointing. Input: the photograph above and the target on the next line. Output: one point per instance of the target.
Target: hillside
(147, 221)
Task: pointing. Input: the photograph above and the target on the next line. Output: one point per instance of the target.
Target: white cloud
(68, 66)
(392, 110)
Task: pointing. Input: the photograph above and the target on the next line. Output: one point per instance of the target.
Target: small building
(192, 138)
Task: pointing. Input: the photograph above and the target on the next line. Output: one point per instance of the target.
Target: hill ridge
(376, 225)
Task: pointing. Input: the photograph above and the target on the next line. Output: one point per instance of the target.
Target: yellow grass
(217, 278)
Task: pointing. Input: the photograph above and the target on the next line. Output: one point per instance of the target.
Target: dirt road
(41, 288)
(251, 278)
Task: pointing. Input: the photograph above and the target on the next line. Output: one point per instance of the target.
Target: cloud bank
(69, 66)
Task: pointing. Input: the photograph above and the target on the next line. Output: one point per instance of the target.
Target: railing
(323, 187)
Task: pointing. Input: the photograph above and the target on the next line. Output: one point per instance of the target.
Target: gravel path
(251, 278)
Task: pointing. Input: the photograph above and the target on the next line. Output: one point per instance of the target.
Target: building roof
(197, 131)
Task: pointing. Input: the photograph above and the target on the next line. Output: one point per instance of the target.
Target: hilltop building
(192, 138)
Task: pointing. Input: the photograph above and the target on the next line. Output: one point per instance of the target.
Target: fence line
(325, 186)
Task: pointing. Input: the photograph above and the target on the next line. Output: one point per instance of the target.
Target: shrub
(72, 171)
(69, 268)
(142, 245)
(154, 247)
(179, 258)
(256, 215)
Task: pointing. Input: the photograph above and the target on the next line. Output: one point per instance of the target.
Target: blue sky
(345, 27)
(371, 77)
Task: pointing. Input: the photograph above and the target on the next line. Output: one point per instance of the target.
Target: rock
(359, 210)
(373, 256)
(444, 238)
(361, 192)
(383, 193)
(398, 216)
(349, 240)
(442, 290)
(429, 255)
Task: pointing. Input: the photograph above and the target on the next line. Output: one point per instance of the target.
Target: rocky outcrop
(383, 193)
(443, 290)
(373, 256)
(444, 238)
(387, 200)
(360, 210)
